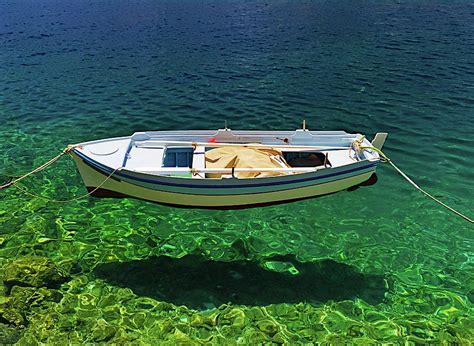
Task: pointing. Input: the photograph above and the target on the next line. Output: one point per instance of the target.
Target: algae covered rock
(233, 316)
(103, 332)
(27, 285)
(24, 297)
(8, 335)
(10, 314)
(33, 271)
(268, 326)
(14, 308)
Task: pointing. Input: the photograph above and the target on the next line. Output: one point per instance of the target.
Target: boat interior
(189, 154)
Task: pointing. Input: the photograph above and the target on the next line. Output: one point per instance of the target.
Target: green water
(379, 264)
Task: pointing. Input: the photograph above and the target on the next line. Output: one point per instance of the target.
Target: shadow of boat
(200, 283)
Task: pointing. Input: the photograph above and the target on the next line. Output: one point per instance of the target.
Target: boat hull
(219, 193)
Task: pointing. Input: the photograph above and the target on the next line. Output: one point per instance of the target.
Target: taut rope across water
(359, 147)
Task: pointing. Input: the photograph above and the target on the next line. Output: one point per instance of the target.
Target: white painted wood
(139, 157)
(199, 161)
(379, 140)
(109, 153)
(339, 158)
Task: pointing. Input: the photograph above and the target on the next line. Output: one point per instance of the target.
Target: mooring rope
(72, 199)
(429, 195)
(38, 169)
(358, 146)
(66, 150)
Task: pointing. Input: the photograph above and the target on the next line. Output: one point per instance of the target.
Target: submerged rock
(28, 285)
(233, 316)
(8, 335)
(268, 326)
(103, 331)
(13, 309)
(33, 271)
(24, 297)
(9, 314)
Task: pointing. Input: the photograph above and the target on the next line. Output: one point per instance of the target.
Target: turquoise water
(382, 263)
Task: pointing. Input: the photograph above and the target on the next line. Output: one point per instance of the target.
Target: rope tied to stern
(358, 147)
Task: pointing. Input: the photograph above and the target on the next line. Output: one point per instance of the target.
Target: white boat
(227, 169)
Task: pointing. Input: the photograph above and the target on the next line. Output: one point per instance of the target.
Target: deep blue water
(72, 71)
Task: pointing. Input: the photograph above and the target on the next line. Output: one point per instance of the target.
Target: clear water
(382, 263)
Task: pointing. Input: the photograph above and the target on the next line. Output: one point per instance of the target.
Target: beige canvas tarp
(245, 157)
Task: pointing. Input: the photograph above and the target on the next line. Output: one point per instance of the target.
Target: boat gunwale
(216, 132)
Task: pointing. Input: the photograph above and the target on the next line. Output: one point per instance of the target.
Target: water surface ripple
(387, 264)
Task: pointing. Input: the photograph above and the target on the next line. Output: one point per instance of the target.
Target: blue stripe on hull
(226, 193)
(237, 190)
